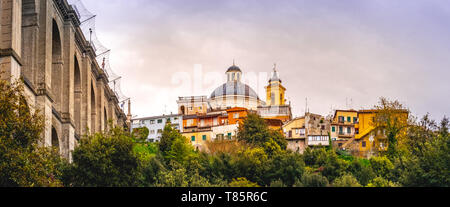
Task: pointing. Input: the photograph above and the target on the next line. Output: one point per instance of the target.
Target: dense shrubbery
(257, 158)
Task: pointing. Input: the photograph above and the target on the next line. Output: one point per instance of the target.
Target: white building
(156, 125)
(224, 131)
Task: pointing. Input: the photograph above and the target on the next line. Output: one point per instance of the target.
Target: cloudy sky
(337, 54)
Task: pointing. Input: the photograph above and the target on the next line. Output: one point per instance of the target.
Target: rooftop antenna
(306, 108)
(90, 35)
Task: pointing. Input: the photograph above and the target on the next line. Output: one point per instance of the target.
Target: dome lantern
(234, 73)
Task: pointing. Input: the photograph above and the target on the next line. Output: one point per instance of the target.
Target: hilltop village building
(218, 117)
(156, 124)
(343, 127)
(202, 119)
(310, 130)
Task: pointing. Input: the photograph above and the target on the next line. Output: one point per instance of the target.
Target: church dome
(234, 68)
(234, 88)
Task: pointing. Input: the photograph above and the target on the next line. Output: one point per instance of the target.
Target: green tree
(255, 131)
(242, 182)
(286, 167)
(380, 182)
(392, 118)
(251, 163)
(346, 181)
(176, 177)
(140, 134)
(277, 184)
(382, 166)
(427, 164)
(312, 180)
(104, 160)
(362, 172)
(174, 146)
(333, 167)
(23, 163)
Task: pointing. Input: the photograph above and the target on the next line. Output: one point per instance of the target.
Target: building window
(341, 130)
(355, 120)
(349, 130)
(349, 119)
(229, 135)
(236, 115)
(159, 131)
(333, 129)
(152, 121)
(220, 136)
(159, 121)
(152, 131)
(363, 144)
(204, 137)
(193, 138)
(302, 132)
(341, 119)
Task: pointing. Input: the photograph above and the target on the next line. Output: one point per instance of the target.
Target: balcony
(273, 110)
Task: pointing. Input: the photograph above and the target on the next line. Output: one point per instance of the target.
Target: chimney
(129, 114)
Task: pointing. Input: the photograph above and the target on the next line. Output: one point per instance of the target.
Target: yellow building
(342, 128)
(199, 138)
(275, 91)
(276, 107)
(369, 139)
(295, 133)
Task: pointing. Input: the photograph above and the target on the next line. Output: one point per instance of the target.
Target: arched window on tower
(272, 98)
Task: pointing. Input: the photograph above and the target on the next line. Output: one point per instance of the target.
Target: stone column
(86, 94)
(100, 106)
(10, 39)
(67, 95)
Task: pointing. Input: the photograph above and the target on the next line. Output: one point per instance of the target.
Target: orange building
(236, 115)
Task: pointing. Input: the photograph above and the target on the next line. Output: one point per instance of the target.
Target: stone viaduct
(41, 42)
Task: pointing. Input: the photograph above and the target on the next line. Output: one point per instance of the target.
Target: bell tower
(275, 91)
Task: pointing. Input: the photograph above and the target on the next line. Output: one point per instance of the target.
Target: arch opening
(55, 139)
(93, 109)
(77, 96)
(57, 66)
(105, 120)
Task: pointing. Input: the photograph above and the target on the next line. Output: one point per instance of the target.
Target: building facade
(311, 130)
(41, 42)
(343, 127)
(156, 124)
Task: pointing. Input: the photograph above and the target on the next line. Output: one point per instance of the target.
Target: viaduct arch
(42, 42)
